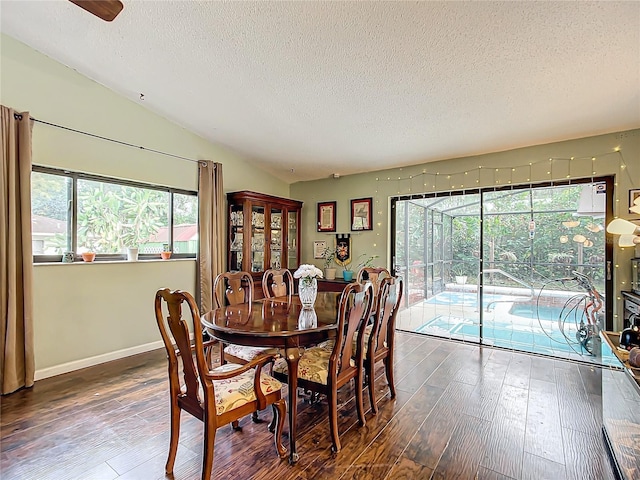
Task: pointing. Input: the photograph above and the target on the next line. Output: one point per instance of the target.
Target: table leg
(293, 356)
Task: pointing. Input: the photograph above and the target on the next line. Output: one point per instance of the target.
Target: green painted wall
(512, 167)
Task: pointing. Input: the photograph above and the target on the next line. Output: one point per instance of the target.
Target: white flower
(308, 271)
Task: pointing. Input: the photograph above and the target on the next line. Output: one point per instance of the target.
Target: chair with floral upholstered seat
(215, 396)
(234, 288)
(380, 337)
(326, 368)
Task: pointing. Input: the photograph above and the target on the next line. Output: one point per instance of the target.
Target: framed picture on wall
(326, 217)
(361, 214)
(319, 248)
(634, 196)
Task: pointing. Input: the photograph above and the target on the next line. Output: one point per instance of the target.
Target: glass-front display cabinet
(621, 408)
(264, 232)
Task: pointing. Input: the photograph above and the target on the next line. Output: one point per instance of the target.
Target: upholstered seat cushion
(237, 391)
(248, 353)
(313, 365)
(328, 344)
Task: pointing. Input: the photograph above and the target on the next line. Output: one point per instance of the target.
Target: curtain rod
(18, 116)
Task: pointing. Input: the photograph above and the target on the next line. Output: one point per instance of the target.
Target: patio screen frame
(608, 247)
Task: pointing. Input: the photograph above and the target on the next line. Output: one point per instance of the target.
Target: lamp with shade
(629, 240)
(629, 232)
(620, 226)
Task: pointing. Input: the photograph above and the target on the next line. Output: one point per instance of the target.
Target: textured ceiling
(307, 89)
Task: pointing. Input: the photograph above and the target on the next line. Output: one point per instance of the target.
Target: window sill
(110, 262)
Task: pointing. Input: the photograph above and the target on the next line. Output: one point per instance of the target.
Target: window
(76, 212)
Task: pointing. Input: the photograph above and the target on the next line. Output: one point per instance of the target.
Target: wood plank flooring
(462, 412)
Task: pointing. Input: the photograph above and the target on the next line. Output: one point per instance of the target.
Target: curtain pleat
(17, 366)
(211, 221)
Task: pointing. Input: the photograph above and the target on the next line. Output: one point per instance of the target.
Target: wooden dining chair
(234, 288)
(379, 338)
(326, 368)
(277, 283)
(373, 275)
(215, 396)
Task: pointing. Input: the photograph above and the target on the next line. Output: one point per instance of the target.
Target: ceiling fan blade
(107, 10)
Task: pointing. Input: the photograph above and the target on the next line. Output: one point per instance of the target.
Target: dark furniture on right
(621, 409)
(335, 285)
(631, 308)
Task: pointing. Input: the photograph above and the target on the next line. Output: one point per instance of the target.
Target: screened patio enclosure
(523, 268)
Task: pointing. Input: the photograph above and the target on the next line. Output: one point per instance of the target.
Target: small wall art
(361, 214)
(318, 249)
(326, 217)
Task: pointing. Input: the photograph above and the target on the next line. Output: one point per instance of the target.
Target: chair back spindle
(233, 288)
(277, 283)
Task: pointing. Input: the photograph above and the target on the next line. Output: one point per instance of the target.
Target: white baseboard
(98, 359)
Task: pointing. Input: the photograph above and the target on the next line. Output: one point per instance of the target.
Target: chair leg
(255, 418)
(388, 370)
(279, 414)
(236, 425)
(273, 422)
(372, 388)
(175, 435)
(332, 398)
(222, 362)
(360, 398)
(209, 442)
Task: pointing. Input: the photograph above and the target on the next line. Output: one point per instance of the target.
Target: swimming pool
(517, 308)
(469, 299)
(548, 330)
(523, 338)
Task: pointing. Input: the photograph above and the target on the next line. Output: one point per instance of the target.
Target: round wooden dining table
(272, 322)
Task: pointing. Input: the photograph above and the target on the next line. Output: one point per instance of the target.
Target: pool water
(466, 299)
(541, 334)
(547, 313)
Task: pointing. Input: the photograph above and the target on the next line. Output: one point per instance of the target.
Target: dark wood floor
(461, 412)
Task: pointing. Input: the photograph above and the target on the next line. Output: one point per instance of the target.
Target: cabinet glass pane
(276, 238)
(50, 214)
(292, 240)
(257, 239)
(236, 241)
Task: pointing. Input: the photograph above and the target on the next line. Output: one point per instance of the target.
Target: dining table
(276, 322)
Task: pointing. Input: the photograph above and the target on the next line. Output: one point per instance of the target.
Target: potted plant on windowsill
(165, 254)
(88, 256)
(328, 255)
(132, 253)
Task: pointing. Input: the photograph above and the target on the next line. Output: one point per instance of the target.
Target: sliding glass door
(521, 268)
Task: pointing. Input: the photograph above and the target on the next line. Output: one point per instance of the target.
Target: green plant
(459, 270)
(328, 255)
(367, 261)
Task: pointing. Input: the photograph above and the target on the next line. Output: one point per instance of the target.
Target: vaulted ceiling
(307, 89)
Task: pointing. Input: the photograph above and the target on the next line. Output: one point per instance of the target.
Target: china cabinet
(621, 408)
(264, 232)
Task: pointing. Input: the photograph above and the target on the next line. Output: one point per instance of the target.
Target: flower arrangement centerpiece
(307, 276)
